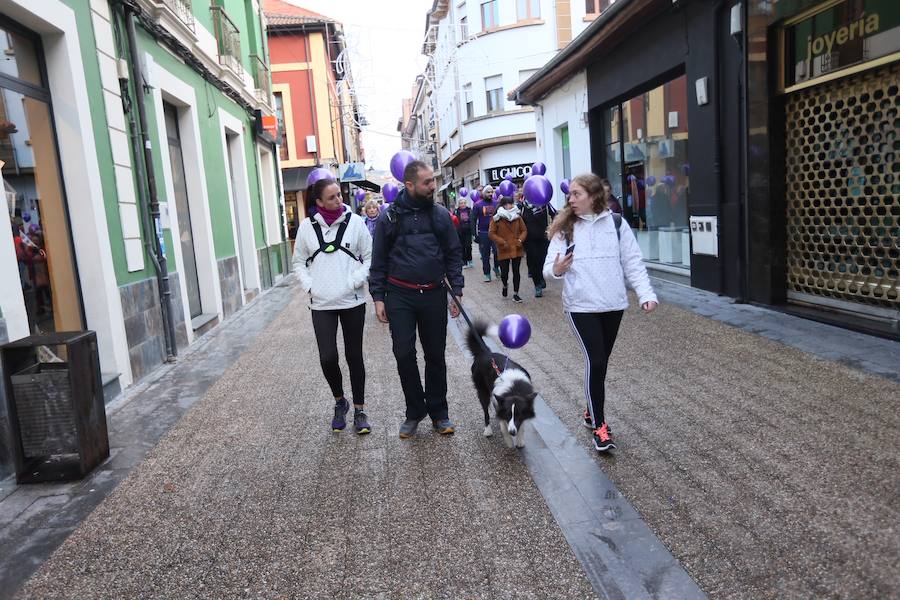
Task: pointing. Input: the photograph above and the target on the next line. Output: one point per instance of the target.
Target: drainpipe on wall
(153, 230)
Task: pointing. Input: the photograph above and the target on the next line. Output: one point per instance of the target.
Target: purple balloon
(564, 186)
(390, 191)
(651, 180)
(630, 178)
(538, 168)
(507, 188)
(317, 174)
(538, 190)
(509, 177)
(463, 192)
(360, 195)
(476, 196)
(669, 180)
(686, 169)
(515, 331)
(399, 162)
(26, 217)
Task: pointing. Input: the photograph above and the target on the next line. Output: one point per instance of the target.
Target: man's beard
(427, 199)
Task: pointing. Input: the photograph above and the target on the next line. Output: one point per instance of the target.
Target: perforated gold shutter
(843, 183)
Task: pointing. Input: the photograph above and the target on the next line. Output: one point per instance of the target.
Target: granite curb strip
(620, 555)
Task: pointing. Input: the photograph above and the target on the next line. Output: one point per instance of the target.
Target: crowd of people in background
(413, 252)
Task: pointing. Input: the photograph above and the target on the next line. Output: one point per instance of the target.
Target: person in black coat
(414, 249)
(537, 220)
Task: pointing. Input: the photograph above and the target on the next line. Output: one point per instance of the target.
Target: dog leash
(465, 315)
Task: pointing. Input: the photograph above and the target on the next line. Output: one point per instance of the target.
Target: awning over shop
(368, 185)
(294, 178)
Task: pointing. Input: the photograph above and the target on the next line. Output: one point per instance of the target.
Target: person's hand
(380, 311)
(560, 266)
(454, 310)
(649, 307)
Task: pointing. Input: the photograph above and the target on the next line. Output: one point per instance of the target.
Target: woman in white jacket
(331, 258)
(594, 253)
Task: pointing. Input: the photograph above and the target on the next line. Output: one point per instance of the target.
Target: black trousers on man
(535, 253)
(426, 310)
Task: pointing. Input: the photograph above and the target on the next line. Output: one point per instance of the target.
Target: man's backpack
(394, 231)
(330, 247)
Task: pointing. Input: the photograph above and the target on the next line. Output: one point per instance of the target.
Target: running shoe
(538, 291)
(602, 439)
(505, 291)
(361, 422)
(588, 421)
(443, 426)
(497, 271)
(517, 298)
(487, 278)
(339, 421)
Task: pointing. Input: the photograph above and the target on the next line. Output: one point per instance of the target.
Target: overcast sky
(385, 41)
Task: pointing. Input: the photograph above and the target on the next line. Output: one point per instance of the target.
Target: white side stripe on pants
(587, 367)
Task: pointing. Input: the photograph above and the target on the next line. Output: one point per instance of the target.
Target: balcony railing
(228, 37)
(261, 79)
(182, 10)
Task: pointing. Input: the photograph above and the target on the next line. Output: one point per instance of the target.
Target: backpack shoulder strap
(617, 218)
(329, 247)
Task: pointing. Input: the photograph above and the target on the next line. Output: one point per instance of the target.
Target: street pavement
(766, 471)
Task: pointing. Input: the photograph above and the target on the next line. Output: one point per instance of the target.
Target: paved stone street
(768, 472)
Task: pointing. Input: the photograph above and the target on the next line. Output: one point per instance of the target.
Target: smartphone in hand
(570, 249)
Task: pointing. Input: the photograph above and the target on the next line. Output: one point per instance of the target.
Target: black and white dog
(504, 381)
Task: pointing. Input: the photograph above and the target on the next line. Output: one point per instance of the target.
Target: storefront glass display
(647, 165)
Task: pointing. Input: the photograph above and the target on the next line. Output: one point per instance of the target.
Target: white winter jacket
(334, 281)
(596, 280)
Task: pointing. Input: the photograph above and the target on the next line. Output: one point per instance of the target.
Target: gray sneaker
(408, 429)
(444, 426)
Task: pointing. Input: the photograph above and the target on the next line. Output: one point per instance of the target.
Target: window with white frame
(524, 74)
(528, 9)
(463, 19)
(490, 14)
(493, 92)
(470, 101)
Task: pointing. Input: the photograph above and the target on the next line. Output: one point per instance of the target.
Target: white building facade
(479, 52)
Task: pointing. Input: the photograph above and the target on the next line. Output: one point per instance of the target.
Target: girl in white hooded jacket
(334, 272)
(594, 253)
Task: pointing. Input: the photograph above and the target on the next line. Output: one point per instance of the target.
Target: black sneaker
(505, 291)
(587, 420)
(339, 421)
(602, 439)
(361, 422)
(516, 298)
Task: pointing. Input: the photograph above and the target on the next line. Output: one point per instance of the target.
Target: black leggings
(504, 272)
(325, 323)
(597, 333)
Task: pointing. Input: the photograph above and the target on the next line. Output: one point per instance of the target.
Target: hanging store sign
(843, 37)
(496, 174)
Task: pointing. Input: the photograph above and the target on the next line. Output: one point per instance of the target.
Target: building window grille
(182, 10)
(282, 130)
(228, 38)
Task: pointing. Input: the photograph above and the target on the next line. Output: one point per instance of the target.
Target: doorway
(179, 185)
(33, 189)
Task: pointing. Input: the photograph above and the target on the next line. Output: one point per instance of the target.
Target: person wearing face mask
(416, 249)
(332, 254)
(594, 252)
(508, 232)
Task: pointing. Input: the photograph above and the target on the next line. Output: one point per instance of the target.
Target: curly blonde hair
(564, 223)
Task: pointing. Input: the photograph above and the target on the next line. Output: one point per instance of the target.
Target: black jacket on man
(415, 242)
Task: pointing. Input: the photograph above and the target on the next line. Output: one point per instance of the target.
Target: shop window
(493, 91)
(34, 193)
(646, 158)
(490, 15)
(282, 130)
(528, 9)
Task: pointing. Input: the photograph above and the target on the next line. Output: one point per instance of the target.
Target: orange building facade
(319, 123)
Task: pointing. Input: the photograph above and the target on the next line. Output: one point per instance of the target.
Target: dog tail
(475, 338)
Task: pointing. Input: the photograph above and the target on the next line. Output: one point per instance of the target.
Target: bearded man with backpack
(415, 249)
